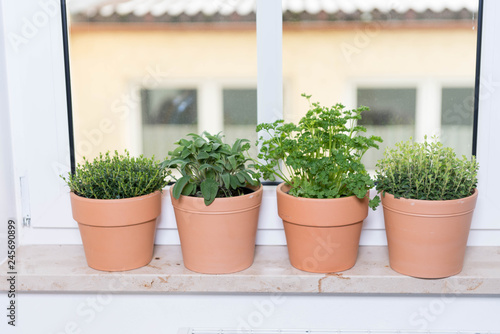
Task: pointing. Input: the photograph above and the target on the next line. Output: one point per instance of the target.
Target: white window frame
(36, 84)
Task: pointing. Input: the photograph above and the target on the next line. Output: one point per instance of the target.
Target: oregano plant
(210, 168)
(426, 171)
(117, 176)
(320, 157)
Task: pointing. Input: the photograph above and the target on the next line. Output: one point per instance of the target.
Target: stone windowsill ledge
(62, 268)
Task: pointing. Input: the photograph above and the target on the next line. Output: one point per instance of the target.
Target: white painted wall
(167, 313)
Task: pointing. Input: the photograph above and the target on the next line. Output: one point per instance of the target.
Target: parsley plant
(320, 157)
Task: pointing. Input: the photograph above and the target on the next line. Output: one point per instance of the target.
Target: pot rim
(116, 212)
(121, 200)
(430, 208)
(382, 196)
(321, 212)
(220, 199)
(283, 184)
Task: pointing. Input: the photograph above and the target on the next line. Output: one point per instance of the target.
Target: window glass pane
(167, 114)
(391, 116)
(146, 73)
(240, 115)
(457, 111)
(240, 107)
(398, 58)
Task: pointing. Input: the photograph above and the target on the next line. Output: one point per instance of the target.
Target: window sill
(63, 268)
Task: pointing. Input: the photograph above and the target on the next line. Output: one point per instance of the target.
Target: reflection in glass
(147, 73)
(391, 116)
(392, 56)
(169, 106)
(240, 115)
(167, 116)
(240, 106)
(457, 110)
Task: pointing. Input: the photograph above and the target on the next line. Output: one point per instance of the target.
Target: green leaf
(215, 139)
(240, 177)
(170, 163)
(235, 182)
(188, 189)
(203, 155)
(232, 161)
(226, 178)
(209, 189)
(216, 156)
(179, 186)
(249, 179)
(224, 150)
(176, 152)
(214, 167)
(199, 142)
(237, 145)
(185, 153)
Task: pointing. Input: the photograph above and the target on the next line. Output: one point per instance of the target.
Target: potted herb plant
(216, 201)
(116, 200)
(428, 195)
(324, 197)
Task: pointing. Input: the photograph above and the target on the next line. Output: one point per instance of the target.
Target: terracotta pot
(427, 239)
(322, 234)
(219, 238)
(117, 234)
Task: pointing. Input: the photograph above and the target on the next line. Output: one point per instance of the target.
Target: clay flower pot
(322, 234)
(117, 234)
(427, 239)
(219, 238)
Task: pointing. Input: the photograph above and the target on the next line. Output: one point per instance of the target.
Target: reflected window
(388, 106)
(391, 116)
(169, 106)
(240, 115)
(457, 110)
(167, 116)
(158, 70)
(240, 106)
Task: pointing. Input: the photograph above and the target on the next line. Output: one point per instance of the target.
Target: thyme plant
(117, 176)
(210, 168)
(320, 157)
(426, 171)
